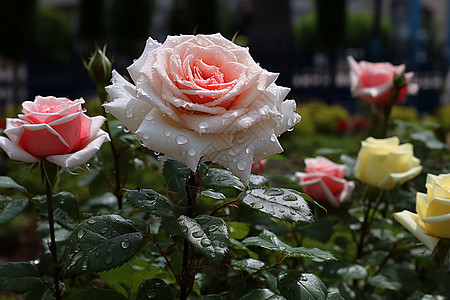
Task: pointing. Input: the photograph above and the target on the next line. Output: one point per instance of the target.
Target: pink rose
(374, 82)
(258, 166)
(55, 129)
(324, 181)
(203, 98)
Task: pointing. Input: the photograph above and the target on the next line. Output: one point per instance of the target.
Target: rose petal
(409, 220)
(82, 156)
(139, 64)
(163, 135)
(15, 152)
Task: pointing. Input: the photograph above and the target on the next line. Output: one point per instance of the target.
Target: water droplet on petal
(242, 165)
(145, 136)
(273, 138)
(125, 244)
(206, 242)
(167, 133)
(247, 150)
(129, 113)
(192, 152)
(149, 117)
(81, 233)
(197, 234)
(181, 140)
(203, 126)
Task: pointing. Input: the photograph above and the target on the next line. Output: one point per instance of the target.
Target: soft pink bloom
(258, 166)
(374, 82)
(324, 181)
(55, 129)
(203, 98)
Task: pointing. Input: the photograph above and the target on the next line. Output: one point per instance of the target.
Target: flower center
(208, 76)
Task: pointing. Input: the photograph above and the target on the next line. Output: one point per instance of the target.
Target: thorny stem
(186, 279)
(101, 92)
(51, 221)
(163, 254)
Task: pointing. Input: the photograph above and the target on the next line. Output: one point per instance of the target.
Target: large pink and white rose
(55, 129)
(374, 82)
(203, 98)
(324, 181)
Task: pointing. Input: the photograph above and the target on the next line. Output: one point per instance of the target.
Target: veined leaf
(10, 208)
(257, 181)
(219, 179)
(294, 284)
(65, 208)
(151, 202)
(176, 174)
(94, 294)
(250, 265)
(270, 241)
(261, 294)
(207, 234)
(283, 204)
(101, 243)
(383, 282)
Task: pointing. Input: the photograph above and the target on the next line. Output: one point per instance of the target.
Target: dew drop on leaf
(108, 259)
(212, 228)
(91, 222)
(84, 265)
(256, 205)
(103, 230)
(206, 242)
(81, 233)
(290, 198)
(273, 192)
(125, 244)
(197, 234)
(77, 248)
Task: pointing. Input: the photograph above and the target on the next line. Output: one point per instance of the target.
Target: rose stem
(52, 246)
(102, 95)
(192, 187)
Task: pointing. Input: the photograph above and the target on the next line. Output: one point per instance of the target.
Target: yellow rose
(383, 163)
(432, 220)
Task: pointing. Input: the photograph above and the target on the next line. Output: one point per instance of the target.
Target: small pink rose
(55, 129)
(324, 181)
(374, 82)
(259, 166)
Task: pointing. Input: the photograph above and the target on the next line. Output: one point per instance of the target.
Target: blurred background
(43, 41)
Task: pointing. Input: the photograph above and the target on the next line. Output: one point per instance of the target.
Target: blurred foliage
(442, 114)
(358, 29)
(318, 117)
(405, 113)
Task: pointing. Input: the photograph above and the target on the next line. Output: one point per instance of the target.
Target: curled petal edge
(410, 220)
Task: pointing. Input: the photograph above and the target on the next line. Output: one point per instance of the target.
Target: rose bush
(383, 163)
(203, 98)
(432, 220)
(324, 181)
(374, 82)
(55, 129)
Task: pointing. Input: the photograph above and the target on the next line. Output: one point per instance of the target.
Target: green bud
(99, 66)
(400, 81)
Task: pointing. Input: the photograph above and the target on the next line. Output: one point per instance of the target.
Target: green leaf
(176, 174)
(154, 288)
(381, 281)
(95, 294)
(283, 204)
(270, 241)
(151, 202)
(220, 179)
(250, 265)
(127, 278)
(9, 183)
(294, 284)
(208, 234)
(257, 181)
(443, 250)
(352, 272)
(10, 208)
(261, 294)
(213, 195)
(101, 243)
(106, 200)
(65, 209)
(238, 230)
(18, 277)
